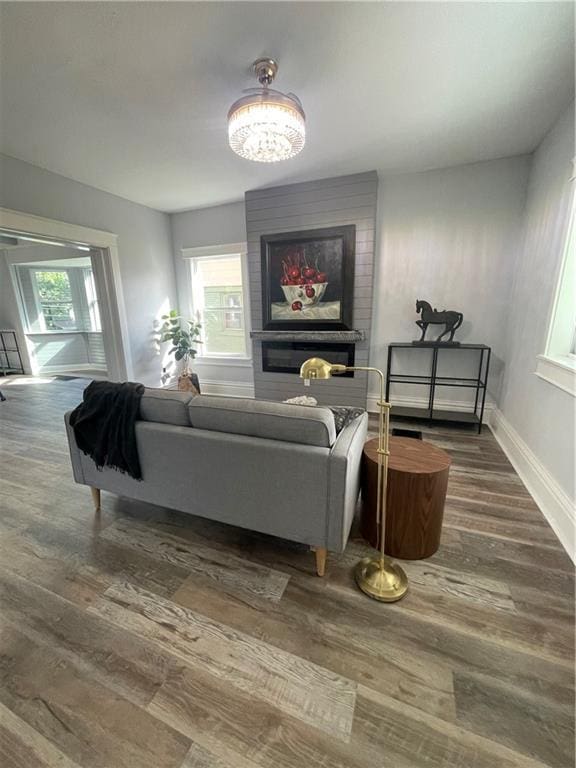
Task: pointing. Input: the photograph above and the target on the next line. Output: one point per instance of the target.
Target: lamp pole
(379, 578)
(383, 454)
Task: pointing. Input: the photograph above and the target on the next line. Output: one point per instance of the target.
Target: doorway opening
(62, 296)
(59, 300)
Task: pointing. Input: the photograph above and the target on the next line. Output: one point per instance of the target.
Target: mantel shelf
(346, 337)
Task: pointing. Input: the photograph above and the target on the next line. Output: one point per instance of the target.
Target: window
(58, 300)
(233, 320)
(55, 299)
(218, 303)
(558, 363)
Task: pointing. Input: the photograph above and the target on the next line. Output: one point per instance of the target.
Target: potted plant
(183, 347)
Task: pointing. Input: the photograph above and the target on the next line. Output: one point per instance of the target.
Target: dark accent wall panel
(315, 205)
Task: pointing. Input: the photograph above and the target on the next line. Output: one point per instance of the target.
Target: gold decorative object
(378, 577)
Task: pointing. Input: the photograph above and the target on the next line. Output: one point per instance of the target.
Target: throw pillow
(344, 415)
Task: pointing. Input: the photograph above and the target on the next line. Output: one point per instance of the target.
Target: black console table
(432, 381)
(10, 357)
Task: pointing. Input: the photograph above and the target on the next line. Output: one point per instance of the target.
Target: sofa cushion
(166, 406)
(261, 418)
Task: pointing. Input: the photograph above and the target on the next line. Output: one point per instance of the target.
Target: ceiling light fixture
(265, 125)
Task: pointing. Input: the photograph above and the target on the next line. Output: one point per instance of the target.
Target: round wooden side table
(417, 483)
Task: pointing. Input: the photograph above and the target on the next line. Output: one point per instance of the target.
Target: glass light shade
(266, 127)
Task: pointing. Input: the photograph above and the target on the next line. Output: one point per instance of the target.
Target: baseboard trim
(212, 387)
(554, 503)
(81, 370)
(227, 388)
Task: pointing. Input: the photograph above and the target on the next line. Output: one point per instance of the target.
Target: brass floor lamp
(378, 577)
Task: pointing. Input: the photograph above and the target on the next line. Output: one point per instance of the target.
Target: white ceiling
(132, 97)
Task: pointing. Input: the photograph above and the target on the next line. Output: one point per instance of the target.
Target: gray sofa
(271, 467)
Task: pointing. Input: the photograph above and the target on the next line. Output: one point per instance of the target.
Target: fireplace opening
(288, 356)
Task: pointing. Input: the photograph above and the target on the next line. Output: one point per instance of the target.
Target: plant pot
(188, 382)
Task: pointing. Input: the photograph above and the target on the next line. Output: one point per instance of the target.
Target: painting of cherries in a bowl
(302, 283)
(308, 278)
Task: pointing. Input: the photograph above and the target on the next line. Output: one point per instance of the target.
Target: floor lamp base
(387, 584)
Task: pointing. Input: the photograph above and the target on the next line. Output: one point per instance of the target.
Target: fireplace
(288, 356)
(332, 318)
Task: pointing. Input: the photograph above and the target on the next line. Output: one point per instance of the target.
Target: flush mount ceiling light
(266, 125)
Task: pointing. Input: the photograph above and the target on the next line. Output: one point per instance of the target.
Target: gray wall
(450, 237)
(219, 225)
(209, 226)
(7, 304)
(313, 205)
(541, 413)
(144, 245)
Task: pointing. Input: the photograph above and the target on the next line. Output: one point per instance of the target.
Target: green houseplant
(184, 343)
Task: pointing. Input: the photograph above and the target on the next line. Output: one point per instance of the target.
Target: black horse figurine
(452, 320)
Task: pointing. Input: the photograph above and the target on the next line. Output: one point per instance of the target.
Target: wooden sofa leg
(96, 498)
(321, 554)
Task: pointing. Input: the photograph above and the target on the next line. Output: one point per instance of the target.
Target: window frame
(78, 297)
(40, 303)
(557, 364)
(190, 255)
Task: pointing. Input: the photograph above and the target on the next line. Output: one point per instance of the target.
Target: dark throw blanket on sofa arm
(104, 425)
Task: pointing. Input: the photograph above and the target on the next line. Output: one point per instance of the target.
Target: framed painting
(308, 279)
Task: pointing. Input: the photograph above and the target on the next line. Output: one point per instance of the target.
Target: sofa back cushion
(261, 418)
(165, 406)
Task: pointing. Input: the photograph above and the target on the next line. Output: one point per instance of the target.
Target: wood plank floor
(144, 637)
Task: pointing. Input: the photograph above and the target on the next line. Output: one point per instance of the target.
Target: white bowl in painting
(294, 293)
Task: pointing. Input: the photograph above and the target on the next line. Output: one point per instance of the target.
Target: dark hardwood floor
(142, 637)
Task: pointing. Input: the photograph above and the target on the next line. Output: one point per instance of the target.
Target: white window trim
(37, 302)
(226, 249)
(557, 366)
(560, 371)
(77, 299)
